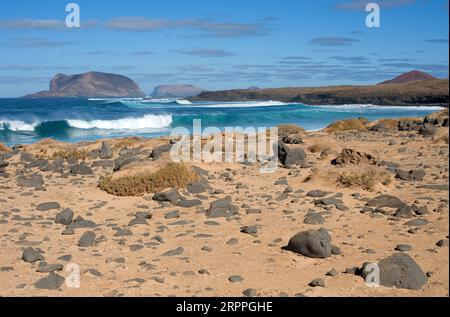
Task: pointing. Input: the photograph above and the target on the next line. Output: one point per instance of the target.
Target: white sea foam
(145, 122)
(244, 104)
(183, 102)
(370, 106)
(16, 125)
(167, 100)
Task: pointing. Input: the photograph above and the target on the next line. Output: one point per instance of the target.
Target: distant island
(412, 88)
(176, 91)
(91, 85)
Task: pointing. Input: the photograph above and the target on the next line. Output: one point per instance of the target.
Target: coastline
(145, 246)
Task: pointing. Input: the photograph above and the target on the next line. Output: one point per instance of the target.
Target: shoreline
(33, 126)
(135, 227)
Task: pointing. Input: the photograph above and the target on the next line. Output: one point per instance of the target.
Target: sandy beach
(173, 246)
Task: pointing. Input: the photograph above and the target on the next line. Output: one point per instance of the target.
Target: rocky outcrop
(91, 85)
(408, 77)
(176, 91)
(433, 92)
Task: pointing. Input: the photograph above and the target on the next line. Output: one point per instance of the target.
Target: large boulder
(80, 169)
(311, 243)
(428, 129)
(159, 151)
(350, 156)
(222, 208)
(105, 151)
(386, 201)
(290, 155)
(399, 270)
(171, 196)
(409, 125)
(65, 217)
(413, 175)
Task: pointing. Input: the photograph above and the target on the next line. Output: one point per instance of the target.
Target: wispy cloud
(23, 42)
(208, 27)
(206, 52)
(142, 53)
(304, 58)
(360, 5)
(353, 59)
(437, 68)
(438, 41)
(30, 24)
(34, 24)
(333, 41)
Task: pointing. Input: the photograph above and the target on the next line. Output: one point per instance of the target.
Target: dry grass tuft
(288, 129)
(390, 124)
(366, 178)
(128, 142)
(440, 139)
(347, 125)
(4, 148)
(318, 147)
(173, 175)
(70, 154)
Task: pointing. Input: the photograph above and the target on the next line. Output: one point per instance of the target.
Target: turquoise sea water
(74, 120)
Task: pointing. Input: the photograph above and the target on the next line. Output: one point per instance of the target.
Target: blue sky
(221, 44)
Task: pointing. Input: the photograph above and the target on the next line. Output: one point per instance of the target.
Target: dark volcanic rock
(51, 282)
(106, 151)
(30, 255)
(413, 175)
(235, 279)
(222, 208)
(386, 201)
(317, 193)
(417, 222)
(65, 217)
(32, 181)
(185, 203)
(48, 206)
(48, 268)
(313, 219)
(160, 150)
(80, 169)
(428, 129)
(174, 252)
(290, 155)
(409, 125)
(87, 239)
(123, 161)
(318, 282)
(198, 187)
(80, 223)
(311, 243)
(401, 271)
(329, 202)
(171, 196)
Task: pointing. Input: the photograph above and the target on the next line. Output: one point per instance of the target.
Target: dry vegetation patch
(70, 154)
(318, 147)
(364, 177)
(172, 175)
(4, 148)
(288, 129)
(347, 125)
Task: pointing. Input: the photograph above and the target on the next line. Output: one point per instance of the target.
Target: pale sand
(263, 265)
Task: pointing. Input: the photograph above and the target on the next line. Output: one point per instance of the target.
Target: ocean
(24, 121)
